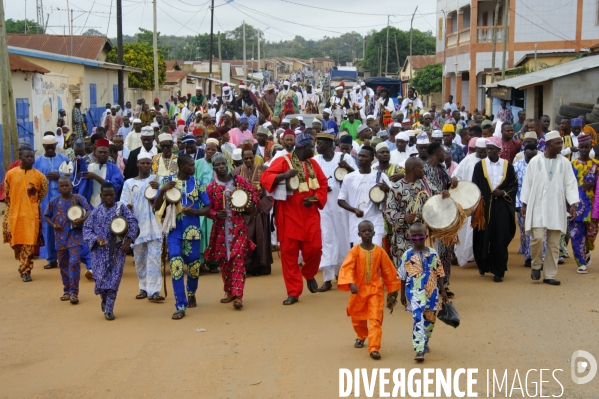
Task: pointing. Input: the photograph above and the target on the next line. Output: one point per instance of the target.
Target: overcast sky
(190, 17)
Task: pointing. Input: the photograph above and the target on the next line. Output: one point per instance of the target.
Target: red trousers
(292, 273)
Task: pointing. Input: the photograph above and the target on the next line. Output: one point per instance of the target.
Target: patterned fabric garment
(184, 241)
(78, 121)
(24, 254)
(457, 153)
(69, 240)
(520, 170)
(147, 265)
(204, 174)
(108, 262)
(229, 242)
(419, 271)
(583, 231)
(404, 198)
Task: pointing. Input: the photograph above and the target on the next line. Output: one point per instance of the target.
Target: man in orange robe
(297, 218)
(364, 271)
(25, 188)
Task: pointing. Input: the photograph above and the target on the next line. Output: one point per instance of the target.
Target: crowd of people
(208, 184)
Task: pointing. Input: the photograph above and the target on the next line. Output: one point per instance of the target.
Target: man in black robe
(496, 179)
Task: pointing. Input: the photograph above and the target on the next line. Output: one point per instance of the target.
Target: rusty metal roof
(420, 61)
(88, 47)
(175, 76)
(20, 64)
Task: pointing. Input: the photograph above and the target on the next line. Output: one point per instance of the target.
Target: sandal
(26, 278)
(142, 295)
(65, 297)
(178, 315)
(51, 265)
(155, 297)
(290, 300)
(359, 343)
(327, 285)
(375, 355)
(74, 299)
(419, 357)
(191, 301)
(228, 298)
(237, 303)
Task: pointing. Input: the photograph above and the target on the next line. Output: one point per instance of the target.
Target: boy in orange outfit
(363, 272)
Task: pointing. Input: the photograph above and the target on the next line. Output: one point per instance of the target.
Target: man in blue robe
(48, 164)
(102, 171)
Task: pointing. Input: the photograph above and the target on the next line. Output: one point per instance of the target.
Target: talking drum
(340, 174)
(239, 200)
(467, 195)
(377, 195)
(440, 215)
(292, 183)
(119, 226)
(150, 193)
(173, 196)
(75, 212)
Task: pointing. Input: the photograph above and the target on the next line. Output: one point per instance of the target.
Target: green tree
(141, 55)
(18, 26)
(429, 79)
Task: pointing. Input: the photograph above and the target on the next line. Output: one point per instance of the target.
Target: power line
(352, 12)
(108, 25)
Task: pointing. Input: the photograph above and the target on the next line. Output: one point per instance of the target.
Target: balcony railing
(484, 34)
(458, 38)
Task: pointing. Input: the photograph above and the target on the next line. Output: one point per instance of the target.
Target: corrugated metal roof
(554, 72)
(175, 76)
(88, 47)
(420, 61)
(20, 64)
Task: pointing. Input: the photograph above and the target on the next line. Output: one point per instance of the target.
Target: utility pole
(506, 13)
(397, 53)
(40, 16)
(259, 34)
(380, 59)
(387, 55)
(155, 40)
(496, 21)
(220, 59)
(212, 48)
(10, 138)
(411, 22)
(119, 51)
(535, 57)
(244, 63)
(71, 32)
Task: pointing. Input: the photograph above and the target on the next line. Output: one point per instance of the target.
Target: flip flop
(65, 297)
(74, 300)
(290, 300)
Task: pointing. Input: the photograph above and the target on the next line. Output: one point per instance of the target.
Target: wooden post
(397, 54)
(9, 127)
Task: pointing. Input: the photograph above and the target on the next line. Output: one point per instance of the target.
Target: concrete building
(465, 38)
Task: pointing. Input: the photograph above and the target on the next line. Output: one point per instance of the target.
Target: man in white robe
(354, 197)
(549, 184)
(333, 219)
(400, 155)
(464, 250)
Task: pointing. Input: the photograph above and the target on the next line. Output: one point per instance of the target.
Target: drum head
(439, 213)
(150, 193)
(239, 198)
(293, 183)
(377, 195)
(75, 212)
(119, 226)
(173, 195)
(466, 194)
(340, 174)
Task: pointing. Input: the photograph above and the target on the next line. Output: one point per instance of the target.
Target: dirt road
(52, 349)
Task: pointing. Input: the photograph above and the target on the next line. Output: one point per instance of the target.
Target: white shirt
(451, 106)
(133, 140)
(576, 154)
(465, 168)
(103, 117)
(153, 151)
(400, 158)
(495, 170)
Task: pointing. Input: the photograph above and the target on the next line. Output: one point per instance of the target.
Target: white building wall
(465, 100)
(547, 20)
(49, 93)
(483, 60)
(590, 19)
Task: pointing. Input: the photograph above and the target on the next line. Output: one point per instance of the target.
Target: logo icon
(579, 363)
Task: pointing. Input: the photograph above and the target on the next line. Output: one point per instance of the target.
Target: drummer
(164, 165)
(148, 245)
(71, 250)
(354, 196)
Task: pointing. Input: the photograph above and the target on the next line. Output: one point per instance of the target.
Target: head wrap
(303, 139)
(267, 125)
(481, 143)
(531, 135)
(263, 130)
(243, 119)
(180, 122)
(136, 120)
(422, 138)
(78, 101)
(426, 114)
(145, 155)
(576, 122)
(316, 122)
(247, 145)
(448, 128)
(496, 141)
(361, 128)
(294, 121)
(147, 131)
(349, 112)
(411, 133)
(229, 114)
(61, 110)
(402, 136)
(206, 115)
(288, 132)
(486, 122)
(217, 134)
(369, 117)
(345, 139)
(212, 141)
(584, 138)
(326, 110)
(275, 119)
(187, 139)
(472, 142)
(286, 120)
(101, 143)
(197, 131)
(438, 133)
(381, 145)
(382, 133)
(323, 135)
(219, 156)
(118, 137)
(154, 125)
(237, 154)
(552, 135)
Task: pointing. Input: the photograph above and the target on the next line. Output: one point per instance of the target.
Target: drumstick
(224, 198)
(361, 203)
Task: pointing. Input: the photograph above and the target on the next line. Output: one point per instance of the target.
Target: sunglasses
(418, 238)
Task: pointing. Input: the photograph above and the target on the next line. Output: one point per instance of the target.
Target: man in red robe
(297, 218)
